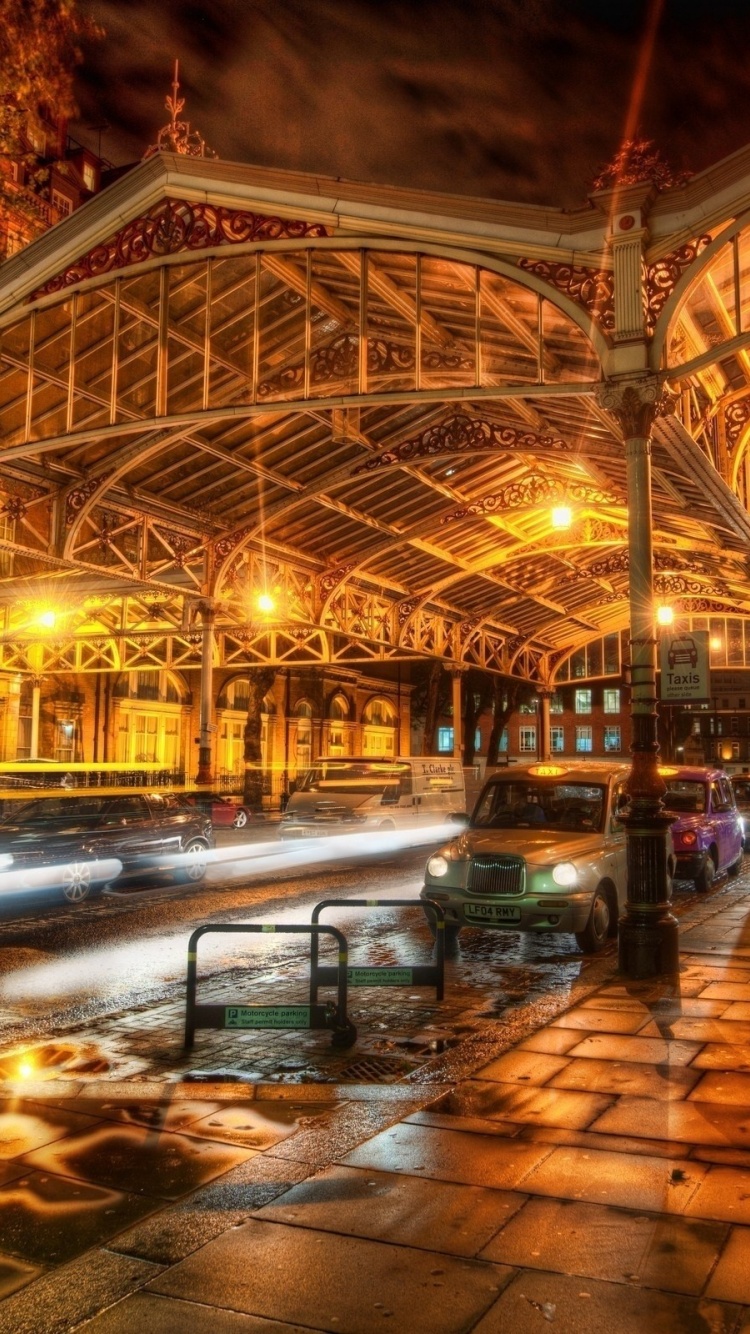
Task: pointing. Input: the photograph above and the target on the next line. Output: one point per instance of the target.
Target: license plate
(492, 912)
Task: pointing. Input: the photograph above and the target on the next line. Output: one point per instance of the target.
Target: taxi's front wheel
(595, 934)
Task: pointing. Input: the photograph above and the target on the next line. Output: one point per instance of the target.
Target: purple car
(707, 836)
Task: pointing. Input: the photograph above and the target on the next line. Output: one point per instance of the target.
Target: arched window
(379, 713)
(379, 728)
(339, 708)
(150, 718)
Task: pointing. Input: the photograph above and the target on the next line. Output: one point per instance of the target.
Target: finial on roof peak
(639, 161)
(177, 136)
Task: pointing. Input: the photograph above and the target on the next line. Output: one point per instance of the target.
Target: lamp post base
(648, 946)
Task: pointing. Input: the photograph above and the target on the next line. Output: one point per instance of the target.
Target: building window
(477, 740)
(527, 740)
(557, 738)
(62, 203)
(612, 739)
(611, 701)
(556, 703)
(583, 701)
(734, 727)
(584, 739)
(89, 176)
(503, 747)
(445, 740)
(529, 707)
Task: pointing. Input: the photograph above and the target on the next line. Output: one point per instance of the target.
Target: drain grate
(375, 1070)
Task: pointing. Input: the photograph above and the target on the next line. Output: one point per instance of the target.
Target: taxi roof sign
(547, 770)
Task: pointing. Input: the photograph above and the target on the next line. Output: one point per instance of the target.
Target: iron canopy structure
(337, 419)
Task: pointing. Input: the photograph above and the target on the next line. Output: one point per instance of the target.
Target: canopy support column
(648, 934)
(545, 737)
(205, 742)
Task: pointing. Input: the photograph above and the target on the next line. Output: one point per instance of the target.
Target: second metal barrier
(400, 975)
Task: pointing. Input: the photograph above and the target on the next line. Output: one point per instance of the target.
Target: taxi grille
(496, 875)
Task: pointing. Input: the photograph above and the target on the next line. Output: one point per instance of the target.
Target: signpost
(684, 668)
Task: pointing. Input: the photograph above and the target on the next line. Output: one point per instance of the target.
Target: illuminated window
(583, 701)
(339, 709)
(89, 176)
(445, 740)
(611, 701)
(584, 738)
(557, 738)
(612, 739)
(62, 203)
(527, 740)
(556, 703)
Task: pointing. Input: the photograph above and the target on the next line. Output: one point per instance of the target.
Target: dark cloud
(516, 99)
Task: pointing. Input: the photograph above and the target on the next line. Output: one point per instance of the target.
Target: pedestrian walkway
(595, 1175)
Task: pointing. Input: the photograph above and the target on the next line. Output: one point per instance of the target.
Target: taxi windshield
(529, 804)
(684, 795)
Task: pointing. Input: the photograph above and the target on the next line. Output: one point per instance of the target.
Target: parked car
(221, 809)
(76, 844)
(707, 835)
(741, 788)
(544, 851)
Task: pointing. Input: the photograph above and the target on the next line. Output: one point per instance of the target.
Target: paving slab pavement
(591, 1174)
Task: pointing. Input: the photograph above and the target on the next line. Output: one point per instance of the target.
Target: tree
(40, 47)
(261, 680)
(508, 694)
(478, 691)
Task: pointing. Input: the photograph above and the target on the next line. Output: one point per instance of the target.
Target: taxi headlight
(437, 866)
(564, 873)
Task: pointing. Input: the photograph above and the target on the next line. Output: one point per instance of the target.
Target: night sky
(513, 99)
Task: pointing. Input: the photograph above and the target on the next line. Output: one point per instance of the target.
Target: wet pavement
(549, 1146)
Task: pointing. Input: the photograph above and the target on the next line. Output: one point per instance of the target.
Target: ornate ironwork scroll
(77, 497)
(664, 274)
(592, 289)
(175, 225)
(736, 417)
(533, 489)
(329, 579)
(461, 434)
(224, 546)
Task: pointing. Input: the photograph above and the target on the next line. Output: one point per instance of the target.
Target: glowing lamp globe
(562, 516)
(265, 602)
(665, 615)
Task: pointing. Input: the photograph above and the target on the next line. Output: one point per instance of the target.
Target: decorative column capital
(634, 401)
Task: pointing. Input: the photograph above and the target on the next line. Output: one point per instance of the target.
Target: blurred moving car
(222, 810)
(349, 796)
(708, 835)
(741, 788)
(76, 844)
(544, 851)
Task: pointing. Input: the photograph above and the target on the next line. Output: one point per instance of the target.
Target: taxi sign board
(683, 659)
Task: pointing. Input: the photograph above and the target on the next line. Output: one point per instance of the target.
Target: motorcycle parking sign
(684, 667)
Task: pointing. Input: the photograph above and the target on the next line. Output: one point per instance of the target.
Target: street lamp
(665, 616)
(266, 603)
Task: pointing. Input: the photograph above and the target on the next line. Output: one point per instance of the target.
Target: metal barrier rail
(400, 975)
(233, 1015)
